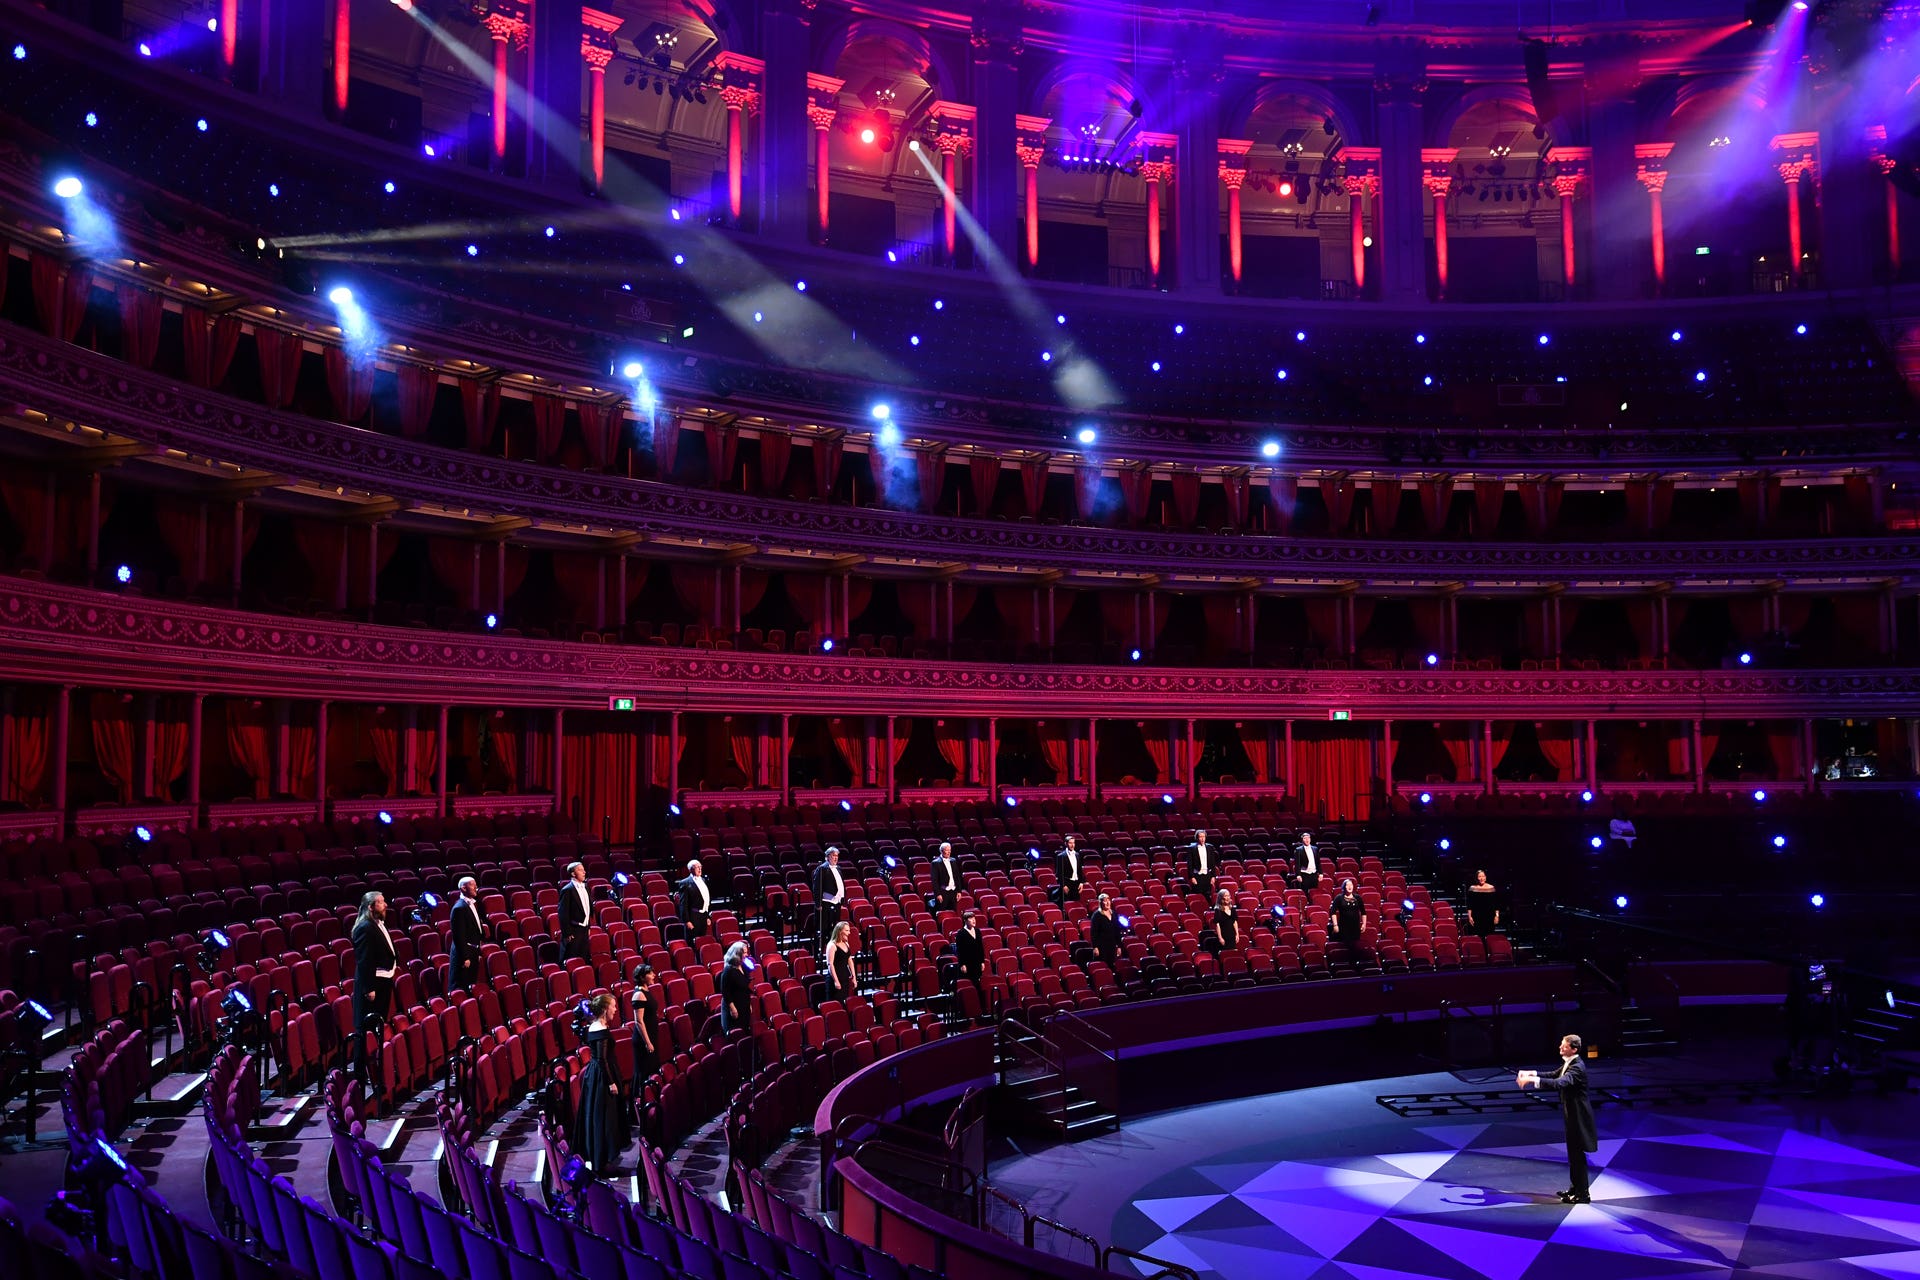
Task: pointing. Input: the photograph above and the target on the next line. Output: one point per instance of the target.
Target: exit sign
(1339, 715)
(620, 704)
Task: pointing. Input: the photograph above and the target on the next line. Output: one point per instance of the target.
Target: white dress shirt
(586, 905)
(391, 950)
(1073, 862)
(839, 885)
(946, 870)
(706, 899)
(1202, 849)
(473, 905)
(1312, 864)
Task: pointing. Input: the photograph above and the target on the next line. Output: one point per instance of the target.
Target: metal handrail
(1173, 1270)
(1096, 1039)
(1031, 1221)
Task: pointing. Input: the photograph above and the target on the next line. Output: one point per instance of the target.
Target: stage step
(281, 1117)
(173, 1095)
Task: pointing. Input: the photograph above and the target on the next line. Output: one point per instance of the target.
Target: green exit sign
(1339, 715)
(620, 704)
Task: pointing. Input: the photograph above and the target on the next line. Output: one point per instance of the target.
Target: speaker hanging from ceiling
(1536, 55)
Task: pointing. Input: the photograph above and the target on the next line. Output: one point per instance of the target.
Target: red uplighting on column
(1357, 229)
(1030, 161)
(738, 99)
(597, 49)
(229, 31)
(1877, 138)
(823, 95)
(502, 28)
(1234, 177)
(1153, 228)
(1440, 186)
(949, 172)
(1567, 188)
(1157, 173)
(1797, 159)
(1650, 169)
(342, 51)
(1893, 228)
(1793, 219)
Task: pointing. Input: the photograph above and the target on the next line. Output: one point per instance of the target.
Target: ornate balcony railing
(71, 384)
(69, 635)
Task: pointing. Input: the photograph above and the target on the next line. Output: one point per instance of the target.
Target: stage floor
(1325, 1184)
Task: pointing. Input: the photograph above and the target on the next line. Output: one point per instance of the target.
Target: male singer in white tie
(946, 878)
(1576, 1111)
(829, 893)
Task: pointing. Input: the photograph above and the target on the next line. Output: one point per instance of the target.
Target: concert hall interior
(837, 639)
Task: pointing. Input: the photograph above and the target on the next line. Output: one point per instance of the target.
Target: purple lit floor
(1324, 1184)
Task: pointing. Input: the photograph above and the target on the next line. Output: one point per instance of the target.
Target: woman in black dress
(736, 992)
(1483, 904)
(1226, 922)
(600, 1130)
(1104, 930)
(839, 960)
(646, 1026)
(1349, 920)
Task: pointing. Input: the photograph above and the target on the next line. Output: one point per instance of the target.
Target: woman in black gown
(646, 1026)
(1483, 904)
(1226, 922)
(736, 991)
(1104, 931)
(600, 1130)
(840, 980)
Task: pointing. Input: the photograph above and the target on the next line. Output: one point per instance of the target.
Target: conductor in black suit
(1066, 865)
(696, 900)
(1570, 1082)
(946, 878)
(374, 963)
(1202, 861)
(829, 893)
(469, 931)
(970, 949)
(575, 911)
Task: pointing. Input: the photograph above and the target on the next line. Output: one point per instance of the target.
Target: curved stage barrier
(1194, 1049)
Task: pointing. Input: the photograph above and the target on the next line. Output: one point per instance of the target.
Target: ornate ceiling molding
(71, 635)
(71, 383)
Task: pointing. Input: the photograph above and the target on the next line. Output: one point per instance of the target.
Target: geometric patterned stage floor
(1810, 1189)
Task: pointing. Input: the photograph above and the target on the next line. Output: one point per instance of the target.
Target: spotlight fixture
(1280, 374)
(847, 805)
(473, 251)
(1013, 802)
(1426, 797)
(493, 620)
(1746, 659)
(1087, 435)
(1620, 901)
(431, 900)
(1445, 844)
(201, 124)
(1271, 449)
(386, 819)
(1779, 842)
(1586, 797)
(632, 369)
(1166, 797)
(1674, 336)
(1433, 659)
(143, 834)
(1133, 655)
(389, 188)
(826, 644)
(123, 575)
(1596, 842)
(1759, 795)
(1818, 900)
(68, 187)
(881, 411)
